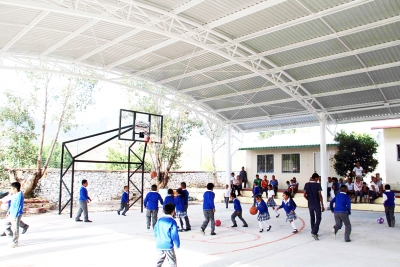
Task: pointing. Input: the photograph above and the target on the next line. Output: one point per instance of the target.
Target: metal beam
(256, 105)
(70, 37)
(195, 72)
(26, 29)
(244, 12)
(187, 6)
(256, 90)
(332, 36)
(304, 19)
(109, 44)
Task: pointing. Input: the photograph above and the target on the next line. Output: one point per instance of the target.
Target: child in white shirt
(271, 202)
(227, 194)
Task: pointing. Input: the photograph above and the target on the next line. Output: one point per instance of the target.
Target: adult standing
(256, 182)
(274, 184)
(243, 177)
(358, 170)
(264, 185)
(312, 192)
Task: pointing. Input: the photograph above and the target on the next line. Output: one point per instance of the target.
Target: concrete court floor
(112, 240)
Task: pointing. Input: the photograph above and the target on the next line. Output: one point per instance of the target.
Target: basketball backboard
(139, 126)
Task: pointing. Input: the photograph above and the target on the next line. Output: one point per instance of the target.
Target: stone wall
(108, 185)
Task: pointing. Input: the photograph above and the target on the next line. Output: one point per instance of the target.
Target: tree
(352, 148)
(178, 124)
(214, 133)
(61, 97)
(17, 132)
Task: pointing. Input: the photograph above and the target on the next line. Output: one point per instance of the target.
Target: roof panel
(263, 19)
(77, 47)
(320, 5)
(168, 71)
(143, 62)
(180, 49)
(386, 75)
(355, 98)
(189, 82)
(383, 56)
(318, 50)
(62, 22)
(283, 108)
(301, 32)
(391, 93)
(204, 61)
(267, 95)
(234, 101)
(371, 114)
(340, 83)
(244, 113)
(117, 52)
(7, 32)
(325, 68)
(363, 14)
(17, 15)
(144, 39)
(211, 92)
(250, 83)
(228, 72)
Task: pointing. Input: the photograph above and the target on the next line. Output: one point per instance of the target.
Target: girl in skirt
(263, 214)
(289, 206)
(271, 202)
(180, 209)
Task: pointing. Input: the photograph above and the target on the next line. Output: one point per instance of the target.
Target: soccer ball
(380, 220)
(217, 222)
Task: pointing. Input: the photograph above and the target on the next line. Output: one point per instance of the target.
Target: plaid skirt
(291, 216)
(180, 214)
(263, 217)
(271, 203)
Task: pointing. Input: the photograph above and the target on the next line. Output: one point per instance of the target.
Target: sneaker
(3, 234)
(269, 228)
(261, 230)
(188, 229)
(118, 212)
(334, 233)
(79, 220)
(277, 216)
(123, 215)
(148, 227)
(25, 229)
(213, 233)
(245, 225)
(180, 230)
(13, 245)
(295, 231)
(348, 240)
(234, 225)
(88, 221)
(202, 231)
(315, 237)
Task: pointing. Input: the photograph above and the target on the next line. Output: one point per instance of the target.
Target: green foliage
(55, 159)
(17, 133)
(352, 148)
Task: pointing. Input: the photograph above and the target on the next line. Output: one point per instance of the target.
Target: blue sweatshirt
(168, 199)
(342, 203)
(236, 205)
(166, 233)
(208, 200)
(390, 199)
(186, 196)
(17, 205)
(179, 203)
(262, 207)
(288, 206)
(124, 197)
(151, 200)
(83, 194)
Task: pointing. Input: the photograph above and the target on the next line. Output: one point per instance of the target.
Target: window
(291, 163)
(398, 152)
(265, 163)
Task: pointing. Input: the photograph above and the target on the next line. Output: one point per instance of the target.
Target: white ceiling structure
(257, 65)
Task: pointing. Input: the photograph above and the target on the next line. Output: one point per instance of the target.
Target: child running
(263, 214)
(151, 204)
(169, 198)
(271, 202)
(180, 209)
(389, 204)
(341, 212)
(208, 209)
(166, 234)
(237, 211)
(124, 202)
(289, 206)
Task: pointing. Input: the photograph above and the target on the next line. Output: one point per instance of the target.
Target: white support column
(228, 155)
(324, 160)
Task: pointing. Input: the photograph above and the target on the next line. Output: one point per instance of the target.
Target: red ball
(253, 210)
(153, 174)
(217, 222)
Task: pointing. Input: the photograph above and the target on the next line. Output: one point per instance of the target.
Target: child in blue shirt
(169, 198)
(341, 212)
(14, 214)
(124, 201)
(166, 235)
(208, 209)
(237, 211)
(263, 214)
(151, 204)
(389, 204)
(289, 206)
(186, 193)
(180, 209)
(84, 199)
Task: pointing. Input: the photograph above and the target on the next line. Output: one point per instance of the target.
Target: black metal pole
(129, 169)
(72, 188)
(61, 178)
(144, 155)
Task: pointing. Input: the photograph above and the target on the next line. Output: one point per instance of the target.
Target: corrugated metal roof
(288, 141)
(229, 78)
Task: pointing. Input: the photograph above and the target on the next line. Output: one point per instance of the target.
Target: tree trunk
(214, 167)
(28, 185)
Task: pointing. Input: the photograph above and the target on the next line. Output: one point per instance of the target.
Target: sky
(110, 99)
